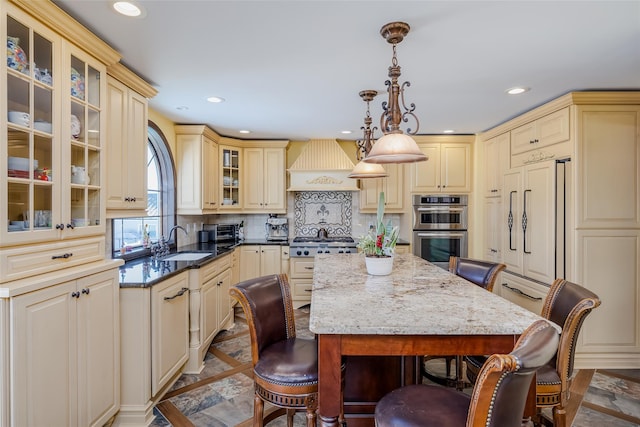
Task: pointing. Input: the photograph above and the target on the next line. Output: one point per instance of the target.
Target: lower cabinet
(65, 353)
(209, 308)
(523, 292)
(301, 280)
(155, 346)
(259, 260)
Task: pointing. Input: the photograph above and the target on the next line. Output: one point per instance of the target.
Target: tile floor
(222, 394)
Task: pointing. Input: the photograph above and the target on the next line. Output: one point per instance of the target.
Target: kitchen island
(419, 309)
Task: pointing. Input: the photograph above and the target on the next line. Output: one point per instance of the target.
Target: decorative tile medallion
(330, 210)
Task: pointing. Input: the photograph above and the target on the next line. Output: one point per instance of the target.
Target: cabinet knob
(75, 294)
(59, 226)
(70, 226)
(86, 291)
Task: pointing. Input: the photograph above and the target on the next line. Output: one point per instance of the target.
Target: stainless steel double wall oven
(440, 227)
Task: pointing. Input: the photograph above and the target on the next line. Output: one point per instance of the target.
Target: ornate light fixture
(396, 146)
(362, 169)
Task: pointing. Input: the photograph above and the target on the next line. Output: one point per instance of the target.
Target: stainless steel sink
(187, 256)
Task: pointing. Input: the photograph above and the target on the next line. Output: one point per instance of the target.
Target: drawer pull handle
(308, 268)
(179, 294)
(63, 256)
(519, 292)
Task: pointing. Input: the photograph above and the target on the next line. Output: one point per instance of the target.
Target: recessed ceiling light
(182, 108)
(215, 99)
(127, 8)
(517, 90)
(244, 131)
(345, 132)
(448, 131)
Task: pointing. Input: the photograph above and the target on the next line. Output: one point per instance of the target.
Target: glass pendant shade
(368, 170)
(395, 148)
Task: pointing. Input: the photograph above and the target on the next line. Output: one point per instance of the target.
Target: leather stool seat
(498, 398)
(291, 362)
(423, 406)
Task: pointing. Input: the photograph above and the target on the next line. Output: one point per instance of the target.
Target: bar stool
(483, 274)
(498, 398)
(285, 368)
(567, 305)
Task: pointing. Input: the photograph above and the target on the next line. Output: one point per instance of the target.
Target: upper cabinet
(496, 163)
(230, 179)
(392, 186)
(540, 134)
(448, 169)
(264, 177)
(52, 155)
(127, 123)
(197, 163)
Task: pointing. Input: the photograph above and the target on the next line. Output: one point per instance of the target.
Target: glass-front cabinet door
(231, 177)
(85, 204)
(31, 146)
(51, 151)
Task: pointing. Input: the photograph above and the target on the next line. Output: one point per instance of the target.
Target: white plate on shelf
(42, 126)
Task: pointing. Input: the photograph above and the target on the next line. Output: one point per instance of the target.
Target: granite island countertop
(417, 298)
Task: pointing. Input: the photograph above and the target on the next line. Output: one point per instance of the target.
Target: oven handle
(440, 234)
(440, 209)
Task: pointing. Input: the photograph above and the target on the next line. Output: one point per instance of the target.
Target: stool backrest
(482, 273)
(267, 305)
(567, 305)
(500, 393)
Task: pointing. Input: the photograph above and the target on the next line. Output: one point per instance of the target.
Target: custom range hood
(322, 166)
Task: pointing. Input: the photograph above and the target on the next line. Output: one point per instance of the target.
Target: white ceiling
(293, 69)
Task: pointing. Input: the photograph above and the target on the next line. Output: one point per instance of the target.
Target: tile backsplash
(331, 210)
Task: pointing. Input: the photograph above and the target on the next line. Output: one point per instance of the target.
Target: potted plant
(379, 245)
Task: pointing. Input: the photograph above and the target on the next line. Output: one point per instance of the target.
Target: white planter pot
(379, 266)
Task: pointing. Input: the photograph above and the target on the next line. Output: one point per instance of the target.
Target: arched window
(129, 233)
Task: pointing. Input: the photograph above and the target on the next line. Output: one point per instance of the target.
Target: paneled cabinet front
(155, 345)
(197, 166)
(127, 153)
(259, 260)
(447, 170)
(65, 352)
(392, 186)
(264, 182)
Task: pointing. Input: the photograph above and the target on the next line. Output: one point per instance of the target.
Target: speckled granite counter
(417, 298)
(418, 310)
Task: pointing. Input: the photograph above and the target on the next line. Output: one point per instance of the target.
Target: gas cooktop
(302, 246)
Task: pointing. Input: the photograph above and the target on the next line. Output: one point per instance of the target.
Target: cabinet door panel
(512, 220)
(270, 260)
(426, 175)
(254, 173)
(169, 329)
(274, 179)
(45, 366)
(99, 348)
(539, 202)
(249, 262)
(455, 171)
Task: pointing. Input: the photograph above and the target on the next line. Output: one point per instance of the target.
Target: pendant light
(362, 169)
(395, 146)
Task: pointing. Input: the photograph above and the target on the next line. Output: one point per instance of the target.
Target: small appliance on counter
(277, 228)
(219, 232)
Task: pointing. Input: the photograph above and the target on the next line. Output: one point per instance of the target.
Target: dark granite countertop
(145, 272)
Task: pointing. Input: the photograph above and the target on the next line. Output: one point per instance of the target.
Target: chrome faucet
(162, 247)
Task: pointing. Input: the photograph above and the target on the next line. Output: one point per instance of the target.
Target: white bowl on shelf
(42, 126)
(20, 118)
(20, 163)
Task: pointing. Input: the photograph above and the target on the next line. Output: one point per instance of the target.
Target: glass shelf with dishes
(230, 181)
(29, 143)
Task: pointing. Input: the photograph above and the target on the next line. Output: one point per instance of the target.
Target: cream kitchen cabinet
(264, 179)
(392, 186)
(197, 166)
(210, 308)
(259, 260)
(63, 346)
(155, 345)
(284, 257)
(525, 293)
(127, 124)
(301, 280)
(52, 189)
(448, 169)
(543, 132)
(230, 178)
(529, 221)
(493, 229)
(496, 163)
